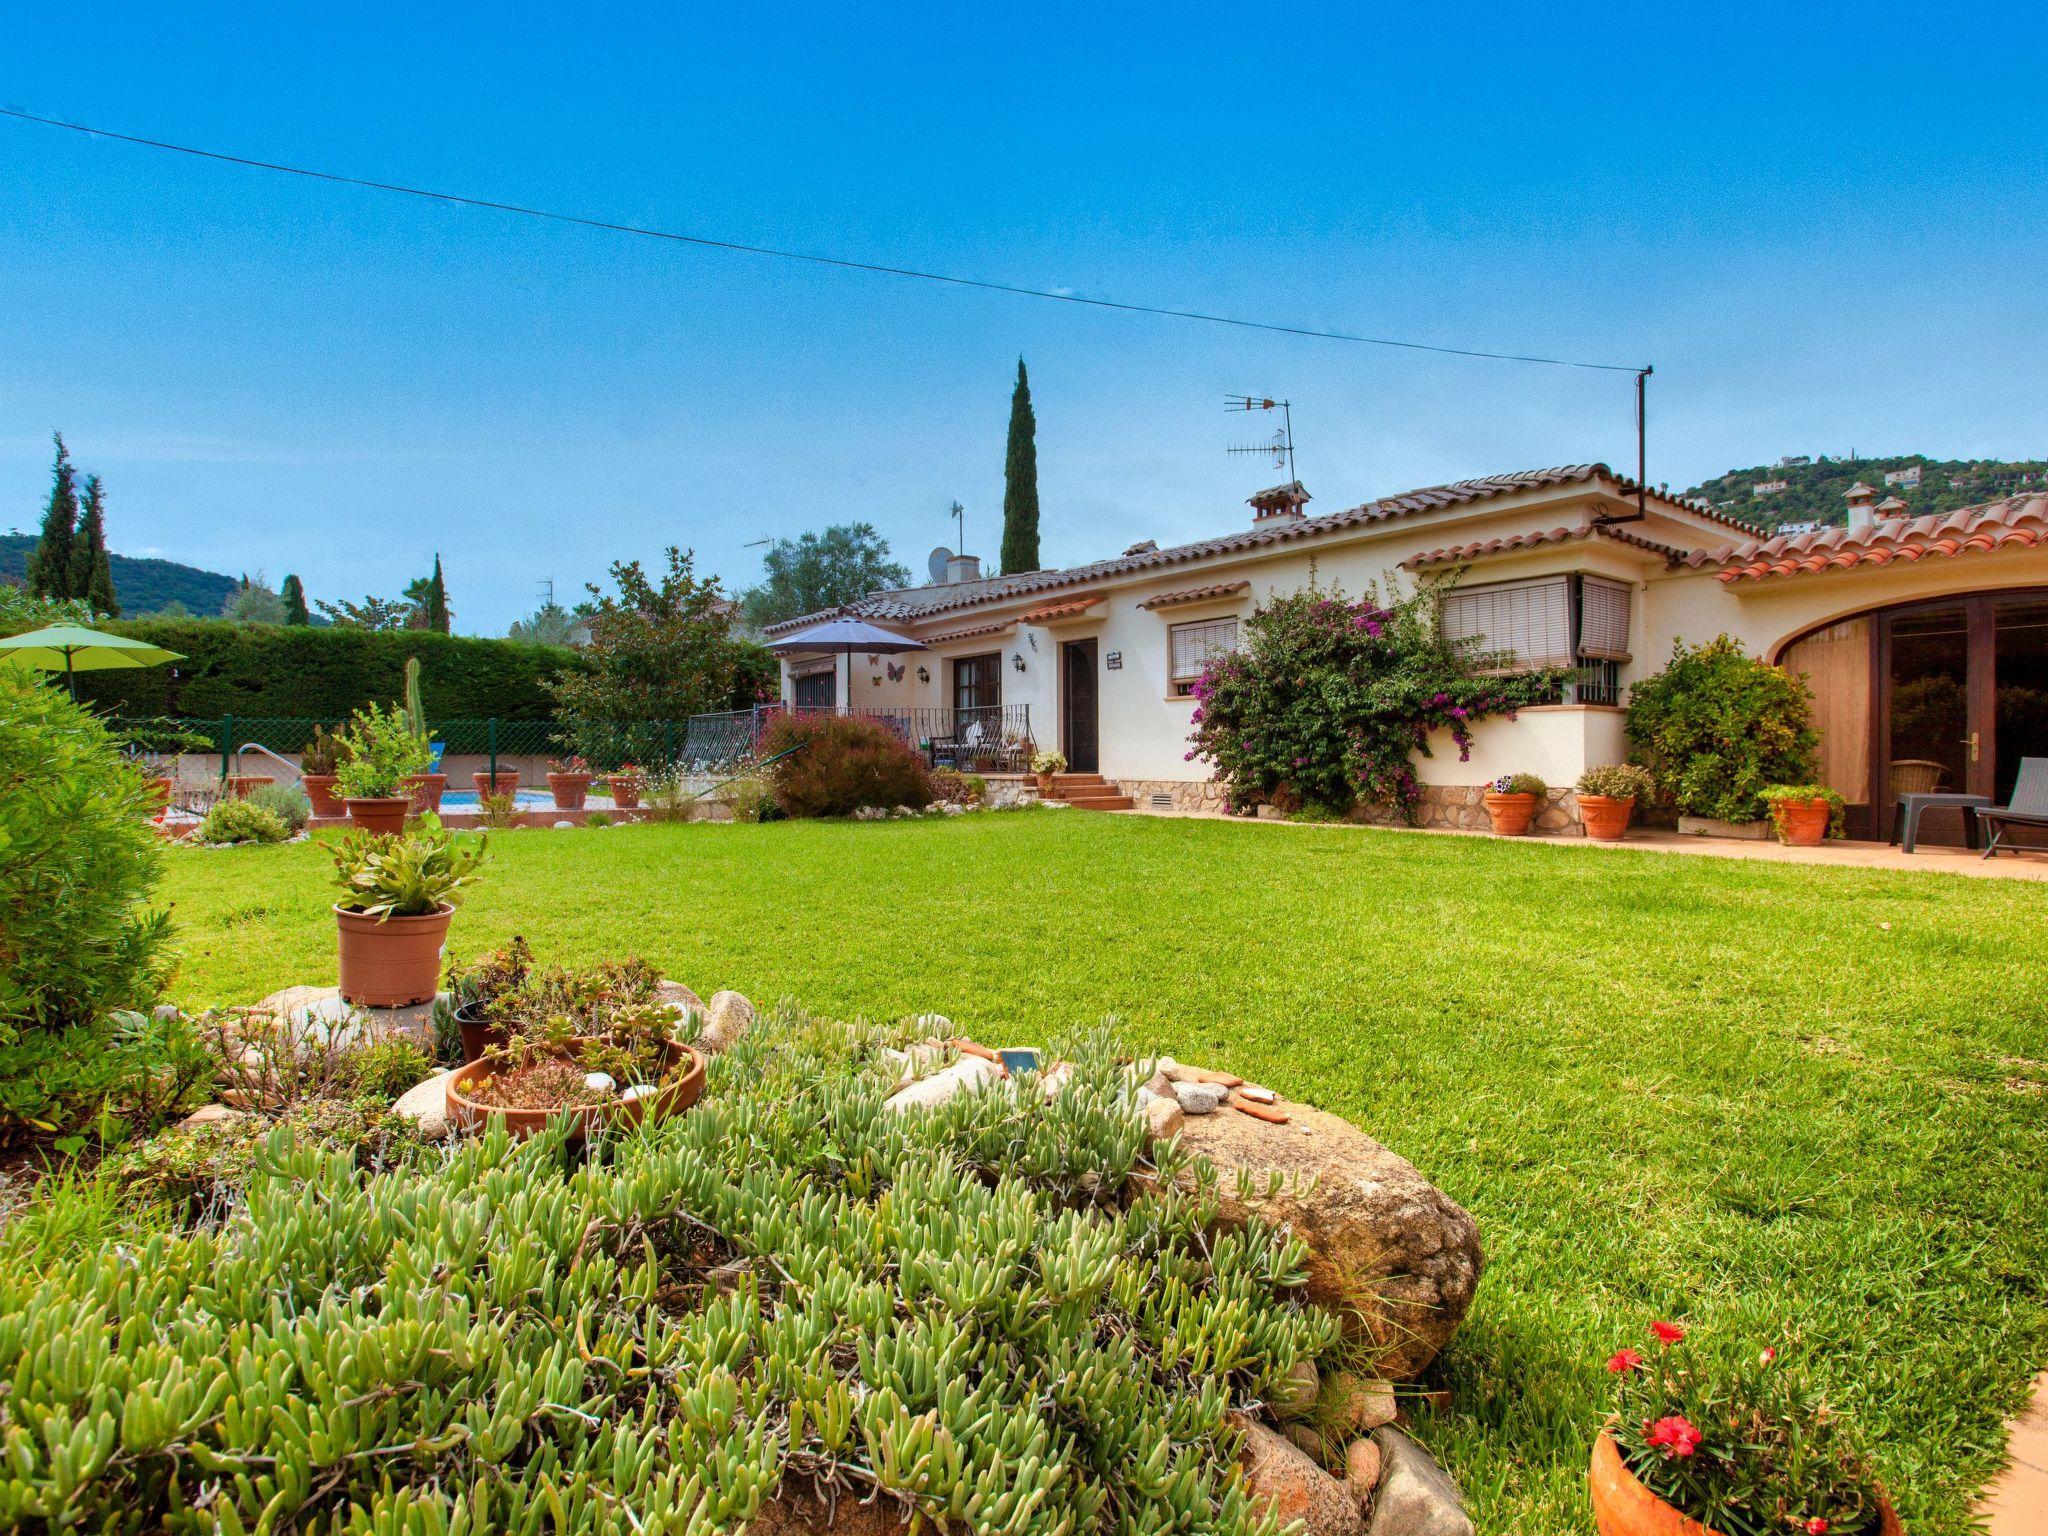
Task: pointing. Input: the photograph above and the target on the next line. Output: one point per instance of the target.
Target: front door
(1079, 696)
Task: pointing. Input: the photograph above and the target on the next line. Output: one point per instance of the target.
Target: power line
(844, 263)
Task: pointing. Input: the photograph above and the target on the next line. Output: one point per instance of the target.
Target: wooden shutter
(1520, 623)
(1603, 618)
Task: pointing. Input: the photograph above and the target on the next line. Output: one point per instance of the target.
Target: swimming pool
(524, 800)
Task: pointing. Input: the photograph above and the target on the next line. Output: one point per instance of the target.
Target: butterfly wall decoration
(895, 672)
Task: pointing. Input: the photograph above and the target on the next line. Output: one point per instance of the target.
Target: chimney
(1891, 509)
(1860, 511)
(1281, 504)
(961, 568)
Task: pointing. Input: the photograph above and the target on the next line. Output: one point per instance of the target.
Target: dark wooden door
(1079, 697)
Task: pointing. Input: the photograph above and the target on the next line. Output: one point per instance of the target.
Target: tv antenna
(959, 515)
(1281, 447)
(547, 591)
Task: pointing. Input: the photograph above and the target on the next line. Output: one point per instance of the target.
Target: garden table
(1906, 824)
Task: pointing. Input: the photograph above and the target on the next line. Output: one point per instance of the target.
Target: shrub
(381, 749)
(78, 860)
(846, 762)
(422, 870)
(1738, 1438)
(1329, 700)
(995, 1315)
(1774, 796)
(194, 1166)
(121, 1074)
(749, 798)
(1617, 781)
(383, 1069)
(287, 802)
(1519, 784)
(1717, 725)
(597, 819)
(953, 787)
(241, 821)
(322, 755)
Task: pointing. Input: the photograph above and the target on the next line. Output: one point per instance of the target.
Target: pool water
(524, 800)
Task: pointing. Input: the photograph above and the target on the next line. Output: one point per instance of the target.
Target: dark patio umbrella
(845, 636)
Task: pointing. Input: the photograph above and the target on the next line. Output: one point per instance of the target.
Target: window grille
(1191, 647)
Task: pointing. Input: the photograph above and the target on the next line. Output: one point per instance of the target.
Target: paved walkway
(2016, 1503)
(2027, 865)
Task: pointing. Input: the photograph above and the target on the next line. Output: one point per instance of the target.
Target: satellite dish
(935, 563)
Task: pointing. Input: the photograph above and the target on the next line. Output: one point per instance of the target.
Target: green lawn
(1803, 1103)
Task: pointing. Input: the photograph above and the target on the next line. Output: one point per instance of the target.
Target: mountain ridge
(1812, 489)
(144, 584)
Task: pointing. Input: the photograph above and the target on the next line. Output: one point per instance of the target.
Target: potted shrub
(569, 782)
(427, 784)
(1607, 797)
(1729, 1439)
(1805, 815)
(489, 786)
(625, 784)
(480, 993)
(1045, 765)
(382, 750)
(1511, 802)
(399, 893)
(317, 765)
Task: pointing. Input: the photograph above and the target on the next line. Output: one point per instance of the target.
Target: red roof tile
(1062, 610)
(1194, 594)
(1456, 554)
(2018, 522)
(970, 632)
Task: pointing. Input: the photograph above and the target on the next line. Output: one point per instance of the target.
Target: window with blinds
(1603, 618)
(1189, 647)
(1514, 624)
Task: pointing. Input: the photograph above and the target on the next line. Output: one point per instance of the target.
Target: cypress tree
(437, 600)
(92, 573)
(49, 563)
(294, 595)
(1020, 482)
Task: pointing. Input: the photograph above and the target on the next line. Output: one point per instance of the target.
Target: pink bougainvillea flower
(1667, 1333)
(1623, 1360)
(1675, 1436)
(1816, 1527)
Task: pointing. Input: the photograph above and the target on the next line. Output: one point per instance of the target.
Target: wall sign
(1114, 661)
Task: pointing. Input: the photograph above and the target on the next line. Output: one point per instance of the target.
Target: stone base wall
(1188, 795)
(1460, 807)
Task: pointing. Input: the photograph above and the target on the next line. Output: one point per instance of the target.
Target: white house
(1925, 641)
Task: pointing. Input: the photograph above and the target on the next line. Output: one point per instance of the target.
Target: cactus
(415, 712)
(1001, 1315)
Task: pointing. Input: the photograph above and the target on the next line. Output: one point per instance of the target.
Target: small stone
(426, 1105)
(678, 996)
(970, 1074)
(637, 1091)
(935, 1025)
(726, 1019)
(165, 1013)
(1200, 1098)
(599, 1082)
(1295, 1396)
(1054, 1078)
(1163, 1119)
(1362, 1472)
(211, 1114)
(1358, 1404)
(1415, 1497)
(1286, 1482)
(1159, 1085)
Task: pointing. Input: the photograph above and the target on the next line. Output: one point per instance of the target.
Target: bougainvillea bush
(1329, 699)
(997, 1312)
(1736, 1436)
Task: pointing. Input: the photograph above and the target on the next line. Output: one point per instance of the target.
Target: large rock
(426, 1105)
(1285, 1479)
(321, 1013)
(1415, 1496)
(1393, 1255)
(726, 1019)
(970, 1074)
(1352, 1405)
(678, 996)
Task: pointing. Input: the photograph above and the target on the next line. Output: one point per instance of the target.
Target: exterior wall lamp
(1018, 660)
(924, 674)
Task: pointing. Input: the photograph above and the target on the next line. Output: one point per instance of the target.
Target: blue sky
(1823, 225)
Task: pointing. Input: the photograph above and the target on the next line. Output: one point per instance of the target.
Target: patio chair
(2027, 808)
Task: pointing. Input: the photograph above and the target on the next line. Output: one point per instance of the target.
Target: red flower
(1624, 1360)
(1667, 1333)
(1675, 1436)
(1816, 1527)
(1766, 1358)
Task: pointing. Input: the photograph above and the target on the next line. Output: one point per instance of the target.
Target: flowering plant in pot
(1511, 802)
(568, 781)
(625, 782)
(1726, 1439)
(480, 994)
(399, 894)
(1607, 797)
(317, 765)
(1045, 765)
(382, 749)
(1805, 815)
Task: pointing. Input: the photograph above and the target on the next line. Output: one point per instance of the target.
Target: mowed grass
(1802, 1103)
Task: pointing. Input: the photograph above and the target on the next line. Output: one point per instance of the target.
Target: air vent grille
(1162, 801)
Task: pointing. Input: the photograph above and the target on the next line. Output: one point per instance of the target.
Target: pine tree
(294, 594)
(49, 563)
(92, 573)
(437, 600)
(1020, 482)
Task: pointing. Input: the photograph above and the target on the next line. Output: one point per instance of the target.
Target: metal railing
(988, 738)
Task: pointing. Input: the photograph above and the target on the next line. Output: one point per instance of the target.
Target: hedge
(324, 673)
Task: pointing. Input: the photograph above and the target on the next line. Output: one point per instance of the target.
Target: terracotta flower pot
(1803, 823)
(679, 1095)
(1510, 814)
(383, 814)
(1045, 784)
(478, 1036)
(242, 785)
(1606, 816)
(1622, 1506)
(568, 790)
(159, 796)
(320, 790)
(426, 790)
(394, 962)
(505, 783)
(626, 790)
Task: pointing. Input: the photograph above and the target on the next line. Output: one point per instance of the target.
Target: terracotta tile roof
(2016, 522)
(1457, 554)
(910, 604)
(1048, 612)
(970, 632)
(1194, 594)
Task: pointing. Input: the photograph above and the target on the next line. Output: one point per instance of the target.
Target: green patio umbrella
(75, 649)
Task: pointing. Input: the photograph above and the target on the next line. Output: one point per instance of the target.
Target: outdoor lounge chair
(2028, 808)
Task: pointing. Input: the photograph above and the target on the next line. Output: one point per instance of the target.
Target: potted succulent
(569, 781)
(625, 783)
(1045, 765)
(382, 749)
(399, 894)
(426, 785)
(1607, 797)
(317, 765)
(1805, 815)
(1511, 802)
(480, 995)
(1728, 1440)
